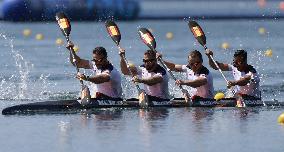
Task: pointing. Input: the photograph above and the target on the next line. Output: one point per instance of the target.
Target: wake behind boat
(67, 106)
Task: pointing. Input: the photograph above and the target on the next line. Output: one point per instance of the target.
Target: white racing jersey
(204, 91)
(160, 89)
(252, 88)
(111, 88)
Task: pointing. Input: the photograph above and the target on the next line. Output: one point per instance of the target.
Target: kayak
(74, 105)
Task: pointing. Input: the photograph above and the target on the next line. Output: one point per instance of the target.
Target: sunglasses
(149, 60)
(237, 62)
(98, 60)
(193, 63)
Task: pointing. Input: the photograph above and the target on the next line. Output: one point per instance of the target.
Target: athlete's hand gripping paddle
(115, 35)
(201, 38)
(65, 26)
(150, 41)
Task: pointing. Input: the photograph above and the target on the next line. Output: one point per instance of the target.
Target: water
(33, 70)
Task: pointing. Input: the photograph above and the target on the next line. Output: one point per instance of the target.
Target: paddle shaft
(169, 71)
(74, 60)
(128, 68)
(200, 37)
(211, 57)
(143, 102)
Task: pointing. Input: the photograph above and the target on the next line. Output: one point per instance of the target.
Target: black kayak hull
(74, 105)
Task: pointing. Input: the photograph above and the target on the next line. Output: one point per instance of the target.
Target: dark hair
(241, 53)
(150, 53)
(196, 53)
(100, 51)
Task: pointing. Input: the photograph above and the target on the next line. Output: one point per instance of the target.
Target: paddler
(106, 77)
(245, 75)
(151, 74)
(198, 76)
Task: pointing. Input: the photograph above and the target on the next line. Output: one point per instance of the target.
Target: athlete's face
(239, 63)
(100, 60)
(150, 62)
(194, 63)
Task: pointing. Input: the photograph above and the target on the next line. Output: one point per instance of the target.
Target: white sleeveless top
(160, 90)
(204, 91)
(111, 88)
(252, 88)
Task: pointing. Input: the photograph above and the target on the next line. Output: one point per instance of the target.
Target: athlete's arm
(149, 81)
(81, 63)
(170, 65)
(99, 78)
(123, 65)
(222, 66)
(193, 83)
(173, 66)
(242, 82)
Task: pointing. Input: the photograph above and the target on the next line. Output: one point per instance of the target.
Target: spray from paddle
(18, 85)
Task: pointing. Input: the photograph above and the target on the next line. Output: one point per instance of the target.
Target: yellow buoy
(261, 30)
(39, 36)
(169, 35)
(225, 45)
(59, 41)
(281, 118)
(76, 48)
(27, 32)
(219, 95)
(268, 53)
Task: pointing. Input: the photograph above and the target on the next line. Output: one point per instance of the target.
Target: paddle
(115, 35)
(201, 38)
(150, 41)
(65, 26)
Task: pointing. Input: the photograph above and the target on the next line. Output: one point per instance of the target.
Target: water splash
(19, 86)
(129, 90)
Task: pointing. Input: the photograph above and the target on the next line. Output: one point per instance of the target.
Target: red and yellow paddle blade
(197, 32)
(147, 38)
(64, 23)
(113, 31)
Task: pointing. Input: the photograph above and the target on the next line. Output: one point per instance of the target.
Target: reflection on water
(64, 140)
(201, 118)
(115, 128)
(153, 119)
(104, 119)
(202, 113)
(107, 114)
(244, 116)
(152, 114)
(245, 113)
